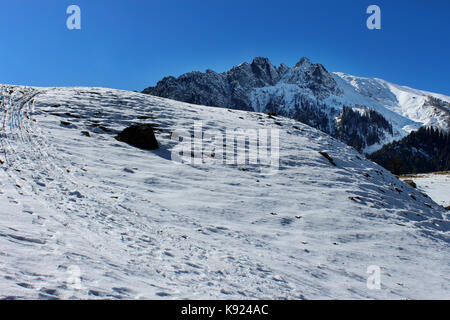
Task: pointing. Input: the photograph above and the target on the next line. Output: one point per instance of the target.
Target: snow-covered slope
(86, 216)
(436, 185)
(410, 103)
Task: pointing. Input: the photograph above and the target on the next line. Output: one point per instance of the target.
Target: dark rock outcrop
(140, 136)
(411, 183)
(327, 156)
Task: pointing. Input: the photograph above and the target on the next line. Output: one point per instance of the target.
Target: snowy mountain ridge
(315, 96)
(86, 216)
(410, 103)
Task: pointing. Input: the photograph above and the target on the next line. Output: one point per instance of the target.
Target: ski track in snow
(132, 224)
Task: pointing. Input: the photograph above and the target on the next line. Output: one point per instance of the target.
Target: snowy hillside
(83, 215)
(411, 103)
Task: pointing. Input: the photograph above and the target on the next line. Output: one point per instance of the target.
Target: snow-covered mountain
(427, 108)
(83, 215)
(383, 112)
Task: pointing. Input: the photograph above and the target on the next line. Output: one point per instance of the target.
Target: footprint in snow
(286, 221)
(27, 209)
(12, 200)
(25, 285)
(41, 184)
(163, 294)
(76, 194)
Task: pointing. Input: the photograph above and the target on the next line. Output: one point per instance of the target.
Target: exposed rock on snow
(140, 136)
(327, 156)
(410, 182)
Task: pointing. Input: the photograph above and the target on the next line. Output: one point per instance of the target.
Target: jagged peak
(320, 67)
(303, 62)
(261, 61)
(282, 69)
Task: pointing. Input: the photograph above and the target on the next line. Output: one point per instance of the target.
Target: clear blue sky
(134, 43)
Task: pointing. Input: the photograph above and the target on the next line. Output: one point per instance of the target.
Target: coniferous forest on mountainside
(422, 151)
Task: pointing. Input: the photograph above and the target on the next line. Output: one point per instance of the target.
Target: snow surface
(90, 217)
(405, 101)
(436, 185)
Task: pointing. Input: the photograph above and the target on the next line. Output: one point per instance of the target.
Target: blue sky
(132, 44)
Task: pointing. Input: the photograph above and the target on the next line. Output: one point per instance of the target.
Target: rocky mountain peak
(235, 88)
(282, 69)
(303, 62)
(262, 61)
(264, 70)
